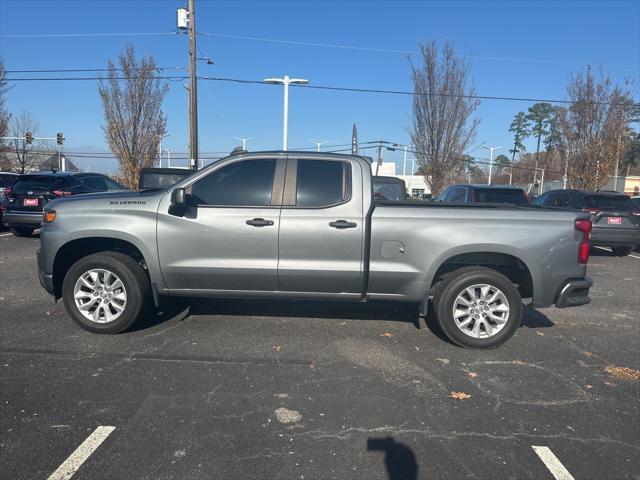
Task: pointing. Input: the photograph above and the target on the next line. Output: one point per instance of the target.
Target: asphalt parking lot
(293, 390)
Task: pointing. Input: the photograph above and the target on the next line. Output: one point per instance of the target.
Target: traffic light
(59, 138)
(28, 137)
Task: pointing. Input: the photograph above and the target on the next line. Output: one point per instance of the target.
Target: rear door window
(608, 202)
(322, 183)
(97, 184)
(501, 195)
(7, 180)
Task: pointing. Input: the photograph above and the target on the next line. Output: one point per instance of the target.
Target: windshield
(608, 202)
(501, 195)
(27, 183)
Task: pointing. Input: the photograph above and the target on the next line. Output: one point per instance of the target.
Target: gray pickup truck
(292, 225)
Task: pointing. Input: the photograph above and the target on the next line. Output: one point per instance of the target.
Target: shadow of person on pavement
(399, 459)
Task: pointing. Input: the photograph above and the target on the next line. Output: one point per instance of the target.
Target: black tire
(22, 231)
(621, 251)
(456, 282)
(134, 279)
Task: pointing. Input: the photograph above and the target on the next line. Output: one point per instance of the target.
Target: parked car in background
(6, 180)
(478, 193)
(155, 178)
(615, 217)
(390, 189)
(26, 198)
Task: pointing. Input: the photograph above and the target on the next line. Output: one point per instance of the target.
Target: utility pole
(491, 149)
(318, 144)
(193, 89)
(379, 156)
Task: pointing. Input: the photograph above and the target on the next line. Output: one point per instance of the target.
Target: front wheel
(621, 251)
(22, 231)
(477, 307)
(106, 292)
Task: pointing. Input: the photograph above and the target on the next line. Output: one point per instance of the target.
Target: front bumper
(46, 279)
(12, 218)
(574, 293)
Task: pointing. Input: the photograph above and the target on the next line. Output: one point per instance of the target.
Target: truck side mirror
(178, 205)
(178, 198)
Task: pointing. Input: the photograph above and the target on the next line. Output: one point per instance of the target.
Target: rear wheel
(621, 251)
(22, 231)
(106, 292)
(477, 307)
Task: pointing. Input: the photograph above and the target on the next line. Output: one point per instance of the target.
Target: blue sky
(551, 39)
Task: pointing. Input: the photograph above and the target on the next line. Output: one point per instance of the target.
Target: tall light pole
(286, 81)
(244, 141)
(318, 144)
(491, 149)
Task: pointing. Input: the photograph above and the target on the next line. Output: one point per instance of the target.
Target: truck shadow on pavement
(399, 460)
(385, 311)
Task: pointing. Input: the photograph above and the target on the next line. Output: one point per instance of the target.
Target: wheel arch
(78, 248)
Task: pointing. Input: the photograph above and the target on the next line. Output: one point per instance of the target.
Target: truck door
(322, 227)
(227, 239)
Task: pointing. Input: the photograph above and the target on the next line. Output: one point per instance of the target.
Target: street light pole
(318, 144)
(491, 149)
(193, 89)
(286, 81)
(244, 141)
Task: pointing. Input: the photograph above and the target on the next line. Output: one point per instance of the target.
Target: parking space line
(5, 234)
(80, 455)
(554, 465)
(634, 256)
(606, 249)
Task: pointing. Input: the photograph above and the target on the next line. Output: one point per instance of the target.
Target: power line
(80, 70)
(322, 87)
(310, 44)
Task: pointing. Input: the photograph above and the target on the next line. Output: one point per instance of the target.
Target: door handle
(259, 222)
(340, 224)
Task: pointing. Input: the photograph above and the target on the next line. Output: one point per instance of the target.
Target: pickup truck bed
(301, 225)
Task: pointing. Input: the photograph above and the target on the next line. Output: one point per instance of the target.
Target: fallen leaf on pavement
(277, 348)
(517, 362)
(608, 383)
(312, 365)
(459, 395)
(472, 374)
(623, 373)
(588, 387)
(387, 334)
(588, 354)
(540, 333)
(417, 349)
(50, 313)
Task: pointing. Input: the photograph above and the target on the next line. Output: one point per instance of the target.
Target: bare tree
(132, 97)
(4, 115)
(595, 128)
(442, 129)
(24, 157)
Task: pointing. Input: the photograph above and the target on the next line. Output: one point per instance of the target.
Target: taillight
(584, 226)
(591, 211)
(60, 193)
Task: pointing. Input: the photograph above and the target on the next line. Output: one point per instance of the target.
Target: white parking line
(552, 463)
(606, 249)
(634, 256)
(5, 234)
(77, 458)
